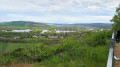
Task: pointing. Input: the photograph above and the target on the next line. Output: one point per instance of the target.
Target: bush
(36, 52)
(5, 60)
(95, 39)
(39, 52)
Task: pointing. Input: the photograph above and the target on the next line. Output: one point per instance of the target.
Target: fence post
(110, 62)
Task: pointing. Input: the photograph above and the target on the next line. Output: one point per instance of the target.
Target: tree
(37, 32)
(116, 19)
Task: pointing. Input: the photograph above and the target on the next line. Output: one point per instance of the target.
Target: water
(59, 31)
(26, 30)
(43, 31)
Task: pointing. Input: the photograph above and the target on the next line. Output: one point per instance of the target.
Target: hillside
(39, 24)
(97, 25)
(23, 24)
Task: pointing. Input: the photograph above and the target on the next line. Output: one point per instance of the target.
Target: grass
(3, 46)
(9, 47)
(12, 46)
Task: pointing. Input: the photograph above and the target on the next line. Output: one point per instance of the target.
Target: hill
(44, 25)
(23, 24)
(98, 25)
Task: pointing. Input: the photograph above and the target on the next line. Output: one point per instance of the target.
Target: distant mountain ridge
(41, 24)
(98, 25)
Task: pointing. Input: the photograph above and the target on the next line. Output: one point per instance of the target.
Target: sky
(58, 11)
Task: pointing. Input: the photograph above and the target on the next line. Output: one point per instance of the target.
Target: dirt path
(20, 65)
(117, 54)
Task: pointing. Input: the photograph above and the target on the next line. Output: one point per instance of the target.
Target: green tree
(116, 19)
(37, 32)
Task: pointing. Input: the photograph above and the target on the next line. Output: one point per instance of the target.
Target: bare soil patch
(117, 54)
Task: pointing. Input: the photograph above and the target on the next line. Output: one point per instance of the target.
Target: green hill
(15, 23)
(23, 24)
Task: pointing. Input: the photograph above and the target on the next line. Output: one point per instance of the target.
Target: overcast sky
(58, 11)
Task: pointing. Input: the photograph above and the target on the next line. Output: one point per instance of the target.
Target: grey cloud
(52, 5)
(49, 8)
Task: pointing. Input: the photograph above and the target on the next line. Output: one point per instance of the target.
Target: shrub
(98, 38)
(36, 52)
(5, 60)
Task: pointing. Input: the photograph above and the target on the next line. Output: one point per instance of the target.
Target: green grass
(12, 46)
(3, 46)
(9, 47)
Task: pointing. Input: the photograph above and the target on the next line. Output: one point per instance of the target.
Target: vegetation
(15, 24)
(74, 51)
(23, 24)
(3, 46)
(116, 19)
(81, 48)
